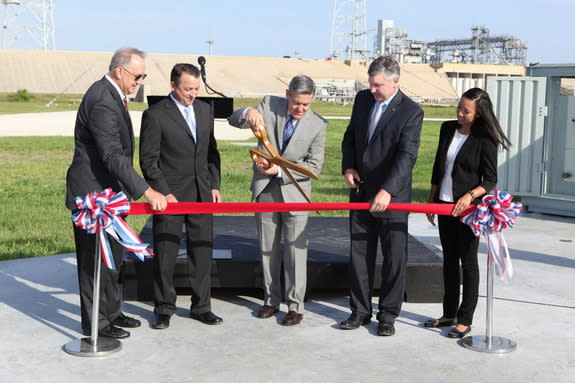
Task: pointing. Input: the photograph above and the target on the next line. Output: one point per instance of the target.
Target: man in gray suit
(298, 134)
(103, 156)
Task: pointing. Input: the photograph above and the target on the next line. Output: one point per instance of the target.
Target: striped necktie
(288, 132)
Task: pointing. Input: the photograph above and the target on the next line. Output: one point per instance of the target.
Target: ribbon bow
(495, 213)
(98, 212)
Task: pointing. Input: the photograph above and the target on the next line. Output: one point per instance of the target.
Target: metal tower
(349, 30)
(35, 18)
(481, 48)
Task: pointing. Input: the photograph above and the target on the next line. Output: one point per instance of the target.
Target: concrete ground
(39, 310)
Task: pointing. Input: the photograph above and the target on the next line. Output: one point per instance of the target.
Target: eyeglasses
(136, 77)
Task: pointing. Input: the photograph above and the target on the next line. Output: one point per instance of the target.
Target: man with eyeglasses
(103, 158)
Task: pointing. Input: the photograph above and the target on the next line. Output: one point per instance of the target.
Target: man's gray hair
(301, 84)
(386, 65)
(123, 56)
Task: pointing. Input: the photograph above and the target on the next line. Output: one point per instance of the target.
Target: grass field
(34, 221)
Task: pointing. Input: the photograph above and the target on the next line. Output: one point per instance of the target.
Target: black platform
(236, 261)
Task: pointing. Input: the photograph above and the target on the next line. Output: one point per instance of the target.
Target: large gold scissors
(273, 157)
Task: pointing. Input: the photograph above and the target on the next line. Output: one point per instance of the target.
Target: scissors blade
(282, 162)
(296, 184)
(293, 180)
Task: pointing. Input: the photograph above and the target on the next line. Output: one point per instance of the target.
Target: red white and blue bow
(99, 212)
(495, 213)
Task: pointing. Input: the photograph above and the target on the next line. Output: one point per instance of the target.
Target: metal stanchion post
(94, 346)
(489, 343)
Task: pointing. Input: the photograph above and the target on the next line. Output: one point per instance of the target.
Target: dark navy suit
(383, 162)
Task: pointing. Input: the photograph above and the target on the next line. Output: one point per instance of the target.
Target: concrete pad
(236, 261)
(39, 310)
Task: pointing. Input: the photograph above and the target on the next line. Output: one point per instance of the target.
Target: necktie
(378, 110)
(190, 121)
(288, 132)
(125, 100)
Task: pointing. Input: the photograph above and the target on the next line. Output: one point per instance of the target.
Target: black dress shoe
(385, 329)
(354, 321)
(207, 318)
(125, 321)
(437, 323)
(162, 322)
(111, 331)
(458, 334)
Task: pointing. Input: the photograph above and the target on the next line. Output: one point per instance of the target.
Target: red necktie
(125, 104)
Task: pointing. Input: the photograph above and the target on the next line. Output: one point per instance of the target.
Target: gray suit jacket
(104, 147)
(305, 148)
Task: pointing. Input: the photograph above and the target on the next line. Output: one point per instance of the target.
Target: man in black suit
(379, 151)
(103, 158)
(179, 157)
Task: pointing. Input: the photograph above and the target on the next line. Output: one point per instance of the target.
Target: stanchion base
(84, 347)
(498, 345)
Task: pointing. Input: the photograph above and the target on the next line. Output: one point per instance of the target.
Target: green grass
(55, 103)
(34, 221)
(33, 218)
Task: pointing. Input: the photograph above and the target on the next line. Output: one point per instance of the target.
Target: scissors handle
(258, 154)
(263, 136)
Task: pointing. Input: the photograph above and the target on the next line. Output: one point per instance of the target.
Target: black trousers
(459, 244)
(110, 299)
(391, 233)
(199, 237)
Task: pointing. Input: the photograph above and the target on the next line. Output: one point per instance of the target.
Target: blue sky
(299, 28)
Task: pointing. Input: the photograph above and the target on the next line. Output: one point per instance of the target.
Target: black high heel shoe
(432, 323)
(458, 334)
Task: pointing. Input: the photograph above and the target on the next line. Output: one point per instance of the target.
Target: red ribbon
(141, 208)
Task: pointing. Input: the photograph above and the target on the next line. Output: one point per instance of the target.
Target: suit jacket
(170, 158)
(104, 147)
(305, 148)
(387, 159)
(475, 164)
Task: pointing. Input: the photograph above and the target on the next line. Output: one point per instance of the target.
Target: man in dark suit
(379, 151)
(179, 157)
(103, 158)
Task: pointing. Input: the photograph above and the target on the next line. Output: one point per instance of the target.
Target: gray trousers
(272, 227)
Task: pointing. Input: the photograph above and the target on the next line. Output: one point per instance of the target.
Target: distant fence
(340, 91)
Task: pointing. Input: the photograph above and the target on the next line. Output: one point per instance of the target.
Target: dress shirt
(446, 187)
(190, 108)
